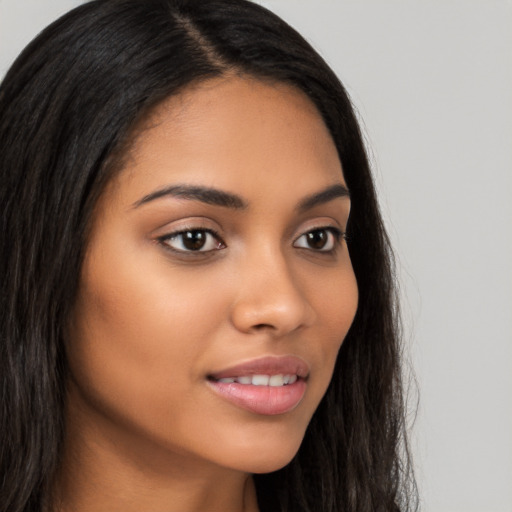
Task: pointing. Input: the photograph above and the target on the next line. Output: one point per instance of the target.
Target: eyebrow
(322, 197)
(206, 195)
(218, 197)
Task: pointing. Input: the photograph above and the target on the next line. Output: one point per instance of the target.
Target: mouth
(261, 380)
(266, 386)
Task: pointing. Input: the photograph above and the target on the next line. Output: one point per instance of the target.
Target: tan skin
(154, 318)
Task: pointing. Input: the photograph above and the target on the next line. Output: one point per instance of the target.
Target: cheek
(335, 300)
(137, 338)
(342, 309)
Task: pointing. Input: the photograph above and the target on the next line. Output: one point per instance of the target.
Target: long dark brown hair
(67, 108)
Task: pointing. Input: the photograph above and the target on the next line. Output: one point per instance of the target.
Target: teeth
(276, 380)
(261, 380)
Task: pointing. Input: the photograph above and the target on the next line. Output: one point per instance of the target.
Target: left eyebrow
(322, 197)
(196, 193)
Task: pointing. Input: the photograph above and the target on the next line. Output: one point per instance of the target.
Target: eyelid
(164, 239)
(334, 231)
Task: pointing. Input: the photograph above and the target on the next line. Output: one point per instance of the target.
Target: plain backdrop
(432, 82)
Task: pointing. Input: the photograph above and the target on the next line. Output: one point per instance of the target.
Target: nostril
(259, 327)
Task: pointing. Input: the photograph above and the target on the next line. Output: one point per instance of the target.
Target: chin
(265, 463)
(271, 464)
(266, 452)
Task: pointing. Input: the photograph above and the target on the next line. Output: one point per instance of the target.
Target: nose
(270, 297)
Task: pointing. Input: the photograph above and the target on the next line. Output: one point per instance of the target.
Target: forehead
(234, 132)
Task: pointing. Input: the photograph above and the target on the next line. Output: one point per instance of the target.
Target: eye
(193, 240)
(322, 239)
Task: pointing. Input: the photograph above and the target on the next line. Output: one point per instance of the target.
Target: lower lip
(265, 400)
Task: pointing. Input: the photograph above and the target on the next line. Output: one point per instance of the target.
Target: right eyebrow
(324, 196)
(206, 195)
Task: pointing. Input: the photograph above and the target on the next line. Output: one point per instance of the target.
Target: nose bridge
(269, 294)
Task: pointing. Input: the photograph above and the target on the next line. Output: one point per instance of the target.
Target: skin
(145, 431)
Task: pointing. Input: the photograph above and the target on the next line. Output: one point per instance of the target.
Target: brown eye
(317, 239)
(322, 240)
(193, 240)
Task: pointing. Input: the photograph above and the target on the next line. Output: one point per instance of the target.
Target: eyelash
(164, 240)
(334, 240)
(336, 234)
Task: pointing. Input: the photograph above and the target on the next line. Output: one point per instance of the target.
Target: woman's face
(217, 287)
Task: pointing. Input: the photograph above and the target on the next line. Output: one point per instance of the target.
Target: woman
(190, 319)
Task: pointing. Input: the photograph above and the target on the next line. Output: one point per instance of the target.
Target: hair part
(69, 108)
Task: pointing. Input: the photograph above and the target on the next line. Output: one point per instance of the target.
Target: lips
(261, 380)
(266, 386)
(285, 365)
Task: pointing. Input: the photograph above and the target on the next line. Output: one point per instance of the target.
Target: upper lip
(269, 365)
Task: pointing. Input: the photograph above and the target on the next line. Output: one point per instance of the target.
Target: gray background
(432, 81)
